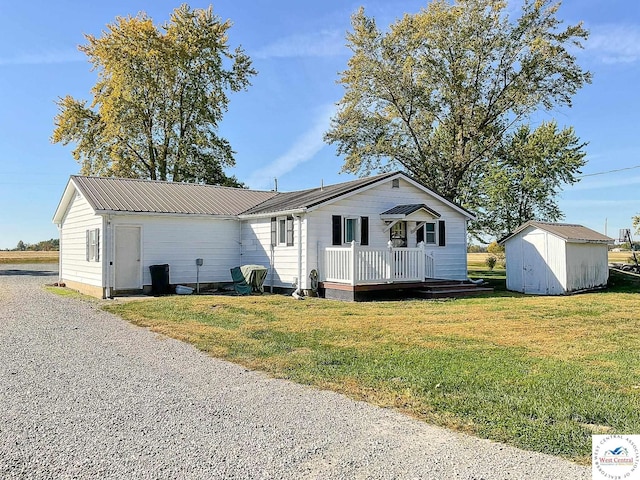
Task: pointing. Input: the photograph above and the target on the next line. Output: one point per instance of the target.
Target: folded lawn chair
(239, 283)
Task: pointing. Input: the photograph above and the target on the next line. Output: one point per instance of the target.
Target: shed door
(534, 263)
(128, 271)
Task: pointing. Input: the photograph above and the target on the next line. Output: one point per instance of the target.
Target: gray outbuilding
(555, 258)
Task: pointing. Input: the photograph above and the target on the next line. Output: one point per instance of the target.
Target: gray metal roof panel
(149, 196)
(314, 196)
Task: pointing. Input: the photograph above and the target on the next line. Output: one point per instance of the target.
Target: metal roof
(409, 209)
(567, 231)
(109, 194)
(150, 196)
(288, 201)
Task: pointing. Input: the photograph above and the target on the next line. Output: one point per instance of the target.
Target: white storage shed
(555, 258)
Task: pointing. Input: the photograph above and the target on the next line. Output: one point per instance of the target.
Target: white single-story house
(555, 258)
(382, 230)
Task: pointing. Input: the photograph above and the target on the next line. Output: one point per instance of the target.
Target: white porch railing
(358, 265)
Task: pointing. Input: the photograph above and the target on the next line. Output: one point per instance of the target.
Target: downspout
(59, 253)
(106, 256)
(298, 292)
(271, 266)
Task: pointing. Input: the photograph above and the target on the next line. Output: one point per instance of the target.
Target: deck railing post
(354, 263)
(390, 262)
(421, 262)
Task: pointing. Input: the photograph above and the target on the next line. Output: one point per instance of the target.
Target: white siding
(179, 240)
(587, 266)
(514, 264)
(557, 265)
(450, 260)
(74, 266)
(256, 249)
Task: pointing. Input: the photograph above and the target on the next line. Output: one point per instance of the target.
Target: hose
(313, 276)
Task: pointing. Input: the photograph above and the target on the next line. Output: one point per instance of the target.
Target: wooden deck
(433, 288)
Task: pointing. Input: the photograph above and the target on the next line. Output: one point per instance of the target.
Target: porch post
(354, 264)
(421, 262)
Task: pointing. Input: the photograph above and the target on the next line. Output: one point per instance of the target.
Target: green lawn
(541, 373)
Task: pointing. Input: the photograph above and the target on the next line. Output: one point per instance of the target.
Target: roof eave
(276, 213)
(167, 214)
(585, 240)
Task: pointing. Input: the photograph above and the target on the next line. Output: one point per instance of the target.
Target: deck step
(453, 292)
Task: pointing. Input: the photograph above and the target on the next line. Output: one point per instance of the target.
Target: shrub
(495, 249)
(491, 261)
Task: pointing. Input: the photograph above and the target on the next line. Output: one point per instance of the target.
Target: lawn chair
(239, 283)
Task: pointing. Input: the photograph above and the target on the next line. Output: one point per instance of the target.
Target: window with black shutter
(282, 231)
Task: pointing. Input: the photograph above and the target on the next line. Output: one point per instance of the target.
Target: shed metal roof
(148, 196)
(567, 231)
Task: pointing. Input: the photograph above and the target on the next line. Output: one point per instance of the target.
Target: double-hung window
(431, 235)
(345, 230)
(351, 230)
(282, 231)
(93, 245)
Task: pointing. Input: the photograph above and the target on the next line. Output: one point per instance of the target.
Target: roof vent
(395, 183)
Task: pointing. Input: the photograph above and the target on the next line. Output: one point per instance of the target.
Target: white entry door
(534, 264)
(128, 268)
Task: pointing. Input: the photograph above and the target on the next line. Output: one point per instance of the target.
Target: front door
(128, 271)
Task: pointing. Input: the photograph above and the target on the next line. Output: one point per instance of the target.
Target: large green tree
(159, 99)
(438, 92)
(521, 182)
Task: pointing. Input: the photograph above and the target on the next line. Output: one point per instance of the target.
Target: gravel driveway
(84, 394)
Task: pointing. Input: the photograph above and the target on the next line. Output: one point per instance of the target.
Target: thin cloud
(615, 43)
(44, 58)
(597, 184)
(326, 43)
(303, 150)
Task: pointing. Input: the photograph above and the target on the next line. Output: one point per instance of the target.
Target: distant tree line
(43, 246)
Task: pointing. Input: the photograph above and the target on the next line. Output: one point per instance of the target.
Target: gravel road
(84, 394)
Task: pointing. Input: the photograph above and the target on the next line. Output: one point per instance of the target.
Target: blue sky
(276, 127)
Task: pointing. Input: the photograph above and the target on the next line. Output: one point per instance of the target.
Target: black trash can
(159, 279)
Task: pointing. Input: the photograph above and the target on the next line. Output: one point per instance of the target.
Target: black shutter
(441, 233)
(420, 235)
(364, 230)
(274, 231)
(290, 231)
(336, 229)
